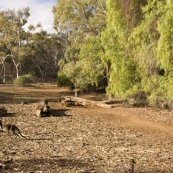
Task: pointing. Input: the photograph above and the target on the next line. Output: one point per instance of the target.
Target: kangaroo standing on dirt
(14, 129)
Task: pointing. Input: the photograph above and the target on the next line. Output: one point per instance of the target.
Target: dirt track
(84, 140)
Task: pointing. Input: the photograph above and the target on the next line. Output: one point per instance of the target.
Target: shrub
(64, 81)
(23, 80)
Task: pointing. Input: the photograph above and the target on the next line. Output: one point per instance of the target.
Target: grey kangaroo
(12, 128)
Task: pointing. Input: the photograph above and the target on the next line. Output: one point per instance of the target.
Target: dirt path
(136, 117)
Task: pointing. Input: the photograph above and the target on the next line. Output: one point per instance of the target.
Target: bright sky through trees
(40, 11)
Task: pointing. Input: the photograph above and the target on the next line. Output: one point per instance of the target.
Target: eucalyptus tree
(93, 69)
(44, 50)
(163, 25)
(151, 43)
(122, 17)
(79, 20)
(164, 49)
(12, 35)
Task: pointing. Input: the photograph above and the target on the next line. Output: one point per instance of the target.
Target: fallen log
(84, 102)
(42, 109)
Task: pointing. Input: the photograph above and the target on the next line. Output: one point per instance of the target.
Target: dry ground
(83, 140)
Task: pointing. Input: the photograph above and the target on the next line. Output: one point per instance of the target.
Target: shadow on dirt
(54, 164)
(40, 139)
(60, 112)
(51, 164)
(13, 100)
(56, 113)
(8, 115)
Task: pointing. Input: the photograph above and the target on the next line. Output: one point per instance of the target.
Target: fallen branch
(84, 102)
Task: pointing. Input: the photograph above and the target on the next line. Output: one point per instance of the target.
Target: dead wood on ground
(43, 109)
(77, 101)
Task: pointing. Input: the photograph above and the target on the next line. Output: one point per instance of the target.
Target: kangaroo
(14, 129)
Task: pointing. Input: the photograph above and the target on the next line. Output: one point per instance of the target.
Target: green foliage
(164, 49)
(80, 17)
(23, 80)
(143, 41)
(133, 52)
(64, 81)
(43, 54)
(88, 69)
(122, 72)
(90, 56)
(76, 76)
(151, 47)
(29, 51)
(82, 21)
(13, 34)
